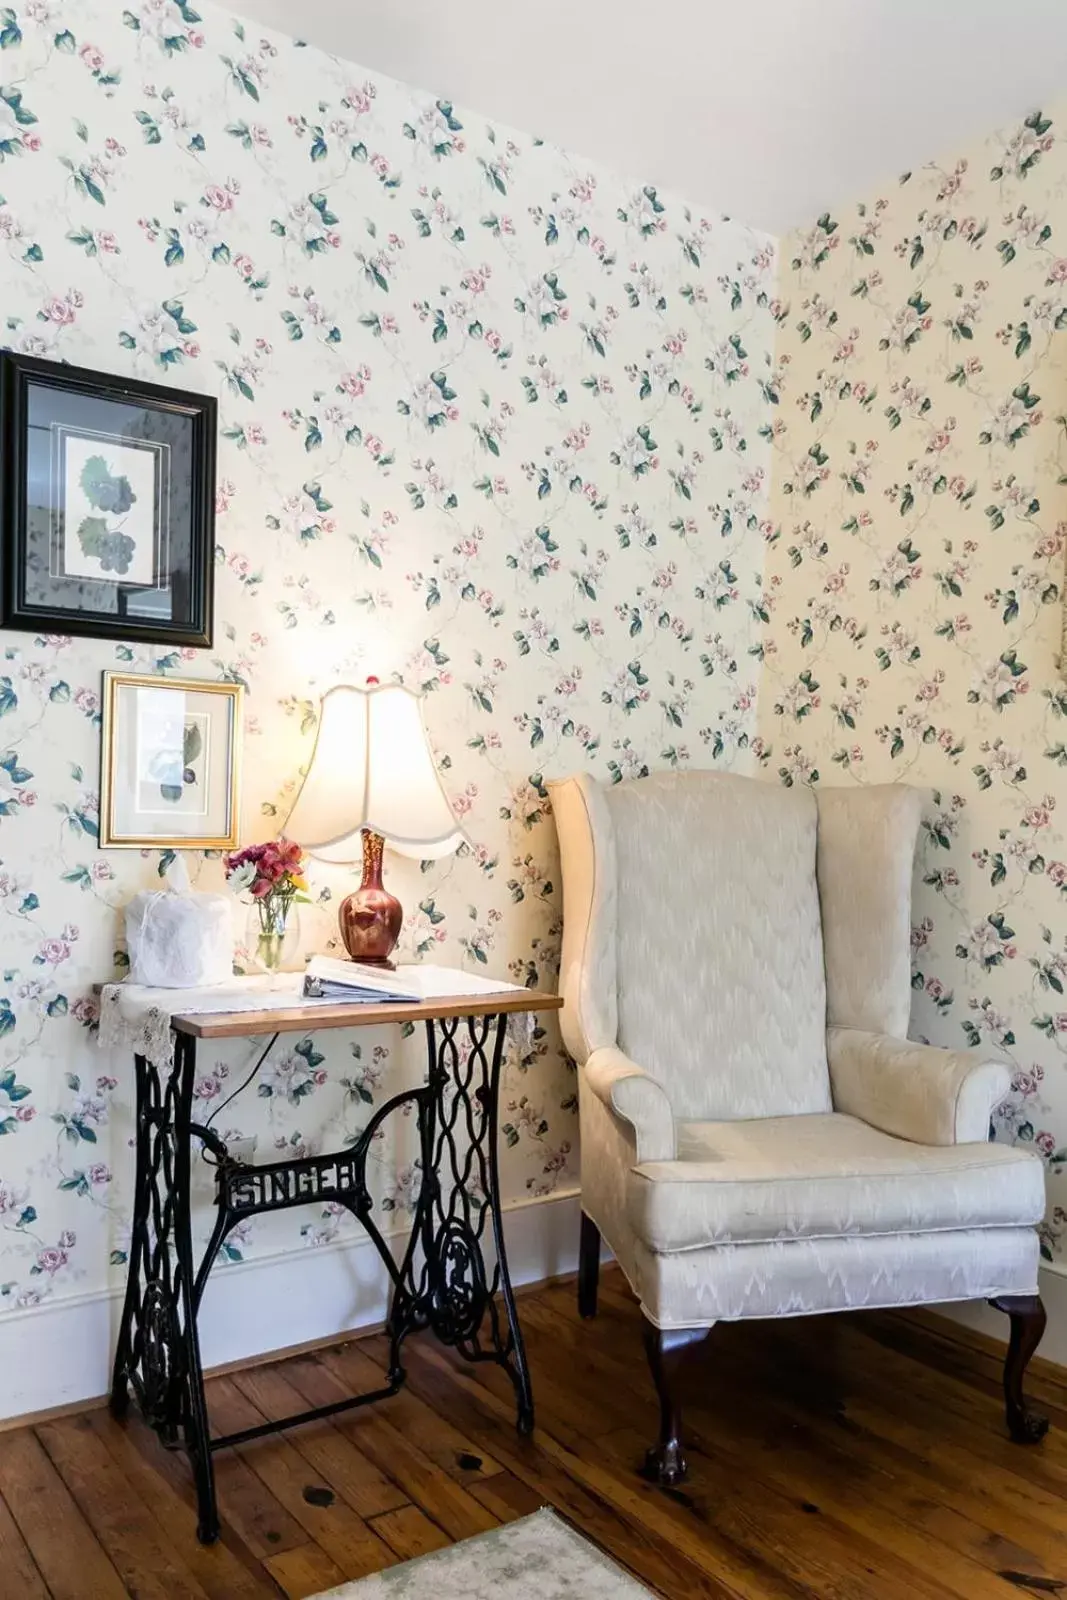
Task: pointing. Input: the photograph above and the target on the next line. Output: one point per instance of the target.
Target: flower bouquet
(272, 875)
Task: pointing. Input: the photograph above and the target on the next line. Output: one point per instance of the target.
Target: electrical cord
(271, 1042)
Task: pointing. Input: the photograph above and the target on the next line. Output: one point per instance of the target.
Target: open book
(328, 979)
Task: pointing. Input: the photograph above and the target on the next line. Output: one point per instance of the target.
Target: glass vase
(272, 935)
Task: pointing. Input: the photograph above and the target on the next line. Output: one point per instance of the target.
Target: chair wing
(587, 977)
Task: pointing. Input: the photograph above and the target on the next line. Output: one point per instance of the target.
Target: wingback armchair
(759, 1136)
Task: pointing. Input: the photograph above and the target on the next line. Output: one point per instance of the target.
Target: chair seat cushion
(821, 1176)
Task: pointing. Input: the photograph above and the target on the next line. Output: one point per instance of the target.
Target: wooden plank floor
(840, 1458)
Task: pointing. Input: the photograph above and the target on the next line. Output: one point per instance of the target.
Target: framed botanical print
(170, 763)
(107, 504)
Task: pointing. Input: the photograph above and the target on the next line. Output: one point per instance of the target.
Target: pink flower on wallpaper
(61, 311)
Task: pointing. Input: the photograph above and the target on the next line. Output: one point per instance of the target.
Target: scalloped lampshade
(372, 780)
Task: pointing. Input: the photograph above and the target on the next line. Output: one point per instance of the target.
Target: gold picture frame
(170, 763)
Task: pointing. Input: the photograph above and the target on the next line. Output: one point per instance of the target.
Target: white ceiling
(770, 111)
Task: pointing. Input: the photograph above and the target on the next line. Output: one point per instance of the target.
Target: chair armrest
(629, 1092)
(914, 1091)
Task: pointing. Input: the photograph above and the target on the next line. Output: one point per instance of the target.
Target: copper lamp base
(370, 917)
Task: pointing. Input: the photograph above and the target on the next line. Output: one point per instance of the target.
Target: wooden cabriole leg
(1027, 1325)
(666, 1348)
(588, 1267)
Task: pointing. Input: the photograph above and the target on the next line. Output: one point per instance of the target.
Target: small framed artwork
(170, 763)
(107, 505)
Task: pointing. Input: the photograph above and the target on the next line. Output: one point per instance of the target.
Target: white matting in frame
(170, 762)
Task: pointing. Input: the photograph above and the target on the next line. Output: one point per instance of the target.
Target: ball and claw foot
(665, 1464)
(666, 1349)
(1026, 1426)
(1027, 1319)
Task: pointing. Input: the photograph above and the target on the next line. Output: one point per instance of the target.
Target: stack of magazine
(328, 979)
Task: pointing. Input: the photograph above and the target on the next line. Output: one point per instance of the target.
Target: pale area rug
(536, 1558)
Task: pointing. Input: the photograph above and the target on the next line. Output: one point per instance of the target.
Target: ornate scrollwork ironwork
(460, 1293)
(155, 1378)
(459, 1208)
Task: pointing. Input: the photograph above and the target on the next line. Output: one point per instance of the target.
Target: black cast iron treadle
(440, 1284)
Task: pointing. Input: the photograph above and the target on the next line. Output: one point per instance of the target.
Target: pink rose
(54, 951)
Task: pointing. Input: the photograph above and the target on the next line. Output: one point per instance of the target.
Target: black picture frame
(140, 563)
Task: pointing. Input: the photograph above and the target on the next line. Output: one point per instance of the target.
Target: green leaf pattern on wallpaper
(915, 596)
(489, 420)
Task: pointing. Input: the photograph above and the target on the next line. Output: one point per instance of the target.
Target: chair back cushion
(866, 856)
(720, 987)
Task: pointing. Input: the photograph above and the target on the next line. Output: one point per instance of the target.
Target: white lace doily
(141, 1030)
(137, 1018)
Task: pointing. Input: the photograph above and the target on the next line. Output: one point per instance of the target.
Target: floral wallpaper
(914, 586)
(491, 421)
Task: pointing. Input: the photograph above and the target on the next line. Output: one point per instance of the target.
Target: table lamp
(371, 781)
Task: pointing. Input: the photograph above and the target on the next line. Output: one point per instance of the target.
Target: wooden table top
(313, 1018)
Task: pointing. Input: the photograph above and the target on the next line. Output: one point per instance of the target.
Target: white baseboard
(1053, 1284)
(60, 1352)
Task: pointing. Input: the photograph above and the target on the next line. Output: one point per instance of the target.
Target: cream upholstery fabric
(637, 1098)
(801, 1277)
(913, 1090)
(866, 853)
(822, 1176)
(609, 1152)
(587, 977)
(709, 1001)
(759, 1136)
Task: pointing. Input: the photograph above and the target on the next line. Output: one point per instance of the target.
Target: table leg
(158, 1351)
(120, 1388)
(455, 1295)
(520, 1373)
(194, 1421)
